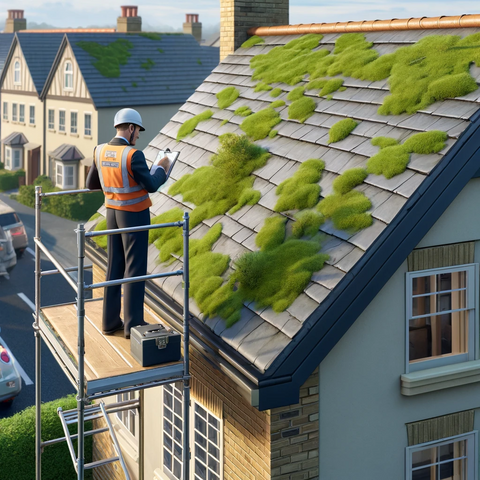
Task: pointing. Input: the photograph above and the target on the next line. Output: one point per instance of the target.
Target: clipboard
(172, 156)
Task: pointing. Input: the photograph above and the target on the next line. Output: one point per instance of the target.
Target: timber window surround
(73, 122)
(32, 115)
(51, 119)
(88, 124)
(68, 76)
(5, 110)
(440, 317)
(453, 458)
(16, 73)
(14, 112)
(21, 115)
(61, 120)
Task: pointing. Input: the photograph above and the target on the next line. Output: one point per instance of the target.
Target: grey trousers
(127, 257)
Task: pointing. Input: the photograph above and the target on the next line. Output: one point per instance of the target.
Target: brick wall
(294, 433)
(237, 16)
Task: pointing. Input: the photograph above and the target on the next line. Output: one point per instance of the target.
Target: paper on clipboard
(172, 156)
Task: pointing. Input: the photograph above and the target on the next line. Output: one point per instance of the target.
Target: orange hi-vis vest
(122, 192)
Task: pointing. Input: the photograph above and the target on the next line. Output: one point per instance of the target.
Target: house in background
(373, 371)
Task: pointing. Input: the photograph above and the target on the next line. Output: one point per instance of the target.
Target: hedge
(17, 444)
(73, 207)
(9, 180)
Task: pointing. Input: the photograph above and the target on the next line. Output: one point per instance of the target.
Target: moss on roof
(254, 40)
(190, 125)
(277, 103)
(301, 190)
(262, 87)
(108, 57)
(273, 133)
(331, 86)
(307, 223)
(301, 109)
(224, 122)
(392, 159)
(227, 96)
(341, 130)
(349, 180)
(296, 93)
(148, 64)
(276, 92)
(150, 35)
(102, 240)
(259, 125)
(244, 111)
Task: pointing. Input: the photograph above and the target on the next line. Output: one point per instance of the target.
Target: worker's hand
(165, 163)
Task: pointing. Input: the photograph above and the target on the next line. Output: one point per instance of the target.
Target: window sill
(62, 133)
(74, 135)
(51, 130)
(32, 125)
(6, 121)
(88, 137)
(22, 124)
(440, 378)
(128, 446)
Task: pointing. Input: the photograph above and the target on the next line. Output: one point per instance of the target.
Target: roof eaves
(281, 383)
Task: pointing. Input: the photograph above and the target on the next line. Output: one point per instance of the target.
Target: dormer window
(68, 83)
(16, 72)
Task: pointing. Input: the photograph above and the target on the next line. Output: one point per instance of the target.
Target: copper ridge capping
(71, 30)
(422, 23)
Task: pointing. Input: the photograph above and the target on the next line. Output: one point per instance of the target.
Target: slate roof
(178, 68)
(67, 153)
(5, 42)
(39, 50)
(15, 138)
(262, 337)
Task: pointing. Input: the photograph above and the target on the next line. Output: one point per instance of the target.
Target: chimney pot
(192, 26)
(15, 21)
(129, 21)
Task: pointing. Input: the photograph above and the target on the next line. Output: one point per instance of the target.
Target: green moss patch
(347, 207)
(161, 50)
(273, 133)
(289, 64)
(227, 96)
(331, 86)
(226, 185)
(224, 122)
(148, 64)
(301, 190)
(262, 87)
(392, 159)
(150, 35)
(272, 233)
(109, 57)
(254, 40)
(316, 84)
(243, 111)
(190, 125)
(276, 92)
(277, 103)
(301, 109)
(102, 240)
(259, 125)
(341, 130)
(168, 240)
(296, 93)
(307, 223)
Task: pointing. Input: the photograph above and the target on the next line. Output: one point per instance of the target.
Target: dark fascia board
(6, 65)
(359, 287)
(54, 67)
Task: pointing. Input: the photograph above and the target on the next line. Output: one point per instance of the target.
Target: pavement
(17, 299)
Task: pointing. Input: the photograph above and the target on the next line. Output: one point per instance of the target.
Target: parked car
(8, 259)
(10, 222)
(10, 379)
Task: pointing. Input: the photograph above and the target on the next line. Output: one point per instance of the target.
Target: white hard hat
(128, 115)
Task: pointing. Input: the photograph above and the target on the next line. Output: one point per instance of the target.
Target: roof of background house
(66, 153)
(15, 138)
(158, 71)
(285, 348)
(39, 50)
(5, 42)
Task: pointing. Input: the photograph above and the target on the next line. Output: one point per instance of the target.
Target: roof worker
(122, 173)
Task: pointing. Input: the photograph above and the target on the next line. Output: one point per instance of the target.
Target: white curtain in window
(68, 75)
(16, 72)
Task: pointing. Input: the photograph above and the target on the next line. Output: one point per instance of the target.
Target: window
(8, 158)
(16, 73)
(88, 124)
(61, 120)
(128, 417)
(59, 178)
(21, 116)
(68, 83)
(51, 119)
(441, 316)
(16, 158)
(65, 176)
(205, 437)
(32, 114)
(5, 110)
(449, 459)
(14, 112)
(73, 122)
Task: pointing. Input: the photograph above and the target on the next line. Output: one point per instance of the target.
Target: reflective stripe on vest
(123, 203)
(126, 188)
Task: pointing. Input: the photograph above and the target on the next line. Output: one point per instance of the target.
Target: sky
(158, 14)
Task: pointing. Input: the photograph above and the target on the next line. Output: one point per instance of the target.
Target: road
(17, 296)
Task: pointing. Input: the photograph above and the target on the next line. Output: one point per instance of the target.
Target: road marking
(27, 301)
(31, 252)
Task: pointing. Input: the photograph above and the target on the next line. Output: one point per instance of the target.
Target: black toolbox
(154, 344)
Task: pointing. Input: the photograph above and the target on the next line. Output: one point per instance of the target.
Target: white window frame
(51, 125)
(21, 118)
(472, 302)
(31, 118)
(8, 157)
(68, 76)
(5, 110)
(14, 112)
(62, 128)
(17, 157)
(472, 453)
(129, 418)
(60, 176)
(89, 133)
(169, 474)
(74, 128)
(17, 75)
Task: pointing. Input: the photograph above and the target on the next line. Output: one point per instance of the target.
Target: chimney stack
(15, 21)
(237, 16)
(129, 21)
(193, 27)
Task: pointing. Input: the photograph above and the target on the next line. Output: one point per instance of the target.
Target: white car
(10, 379)
(8, 258)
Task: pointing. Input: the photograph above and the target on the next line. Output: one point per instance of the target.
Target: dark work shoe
(127, 334)
(113, 330)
